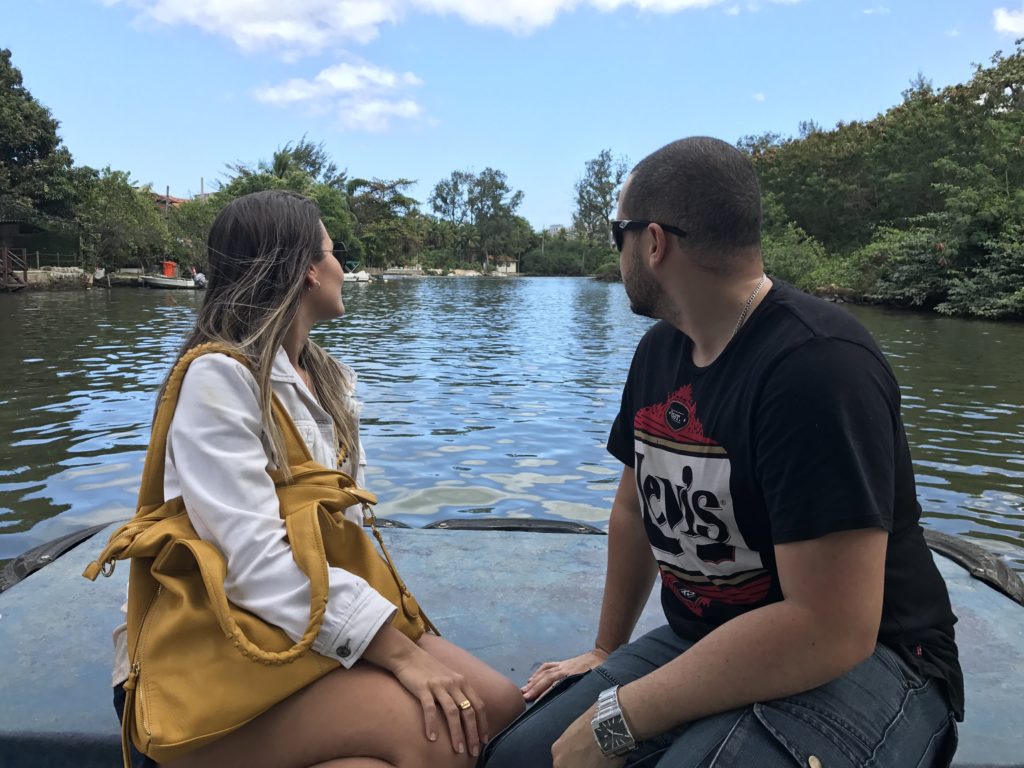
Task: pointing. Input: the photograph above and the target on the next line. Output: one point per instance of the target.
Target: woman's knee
(505, 703)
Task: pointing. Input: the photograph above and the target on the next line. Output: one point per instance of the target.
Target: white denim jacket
(217, 460)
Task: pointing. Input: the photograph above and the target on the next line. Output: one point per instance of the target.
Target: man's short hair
(707, 188)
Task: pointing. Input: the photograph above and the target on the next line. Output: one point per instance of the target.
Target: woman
(393, 702)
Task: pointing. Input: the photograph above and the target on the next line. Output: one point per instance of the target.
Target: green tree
(315, 161)
(919, 206)
(305, 168)
(516, 239)
(480, 211)
(597, 195)
(189, 225)
(120, 224)
(995, 288)
(35, 166)
(449, 199)
(390, 227)
(565, 254)
(792, 255)
(493, 206)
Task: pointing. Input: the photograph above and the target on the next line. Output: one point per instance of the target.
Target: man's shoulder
(813, 317)
(660, 333)
(818, 339)
(794, 318)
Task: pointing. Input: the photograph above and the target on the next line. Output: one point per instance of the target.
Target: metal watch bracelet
(611, 732)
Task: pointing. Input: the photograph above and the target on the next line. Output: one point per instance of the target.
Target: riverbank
(58, 279)
(75, 278)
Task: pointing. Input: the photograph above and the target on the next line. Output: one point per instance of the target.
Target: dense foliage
(922, 206)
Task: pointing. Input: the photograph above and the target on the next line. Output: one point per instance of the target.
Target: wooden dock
(13, 268)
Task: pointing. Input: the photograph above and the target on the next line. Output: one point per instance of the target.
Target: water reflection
(963, 404)
(481, 397)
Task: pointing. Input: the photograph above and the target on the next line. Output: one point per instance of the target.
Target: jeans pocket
(942, 747)
(899, 669)
(806, 732)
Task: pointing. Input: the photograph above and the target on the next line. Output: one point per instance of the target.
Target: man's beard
(643, 291)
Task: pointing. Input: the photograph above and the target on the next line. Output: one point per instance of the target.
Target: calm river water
(481, 397)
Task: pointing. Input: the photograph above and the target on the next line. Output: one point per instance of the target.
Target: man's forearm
(631, 571)
(768, 653)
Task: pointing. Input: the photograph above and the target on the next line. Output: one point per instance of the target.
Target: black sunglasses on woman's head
(621, 226)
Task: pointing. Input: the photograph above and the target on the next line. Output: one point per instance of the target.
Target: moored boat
(159, 281)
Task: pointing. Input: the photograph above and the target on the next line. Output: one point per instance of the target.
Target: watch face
(612, 734)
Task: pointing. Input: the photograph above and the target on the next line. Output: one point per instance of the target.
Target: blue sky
(171, 90)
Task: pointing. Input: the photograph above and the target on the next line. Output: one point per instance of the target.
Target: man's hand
(577, 747)
(551, 672)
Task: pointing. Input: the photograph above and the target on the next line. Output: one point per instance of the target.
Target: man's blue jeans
(881, 714)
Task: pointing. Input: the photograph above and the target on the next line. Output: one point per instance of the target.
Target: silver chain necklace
(750, 301)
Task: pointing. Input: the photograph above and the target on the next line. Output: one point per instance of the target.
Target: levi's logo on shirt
(682, 480)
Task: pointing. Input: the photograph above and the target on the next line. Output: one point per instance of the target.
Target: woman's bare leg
(363, 712)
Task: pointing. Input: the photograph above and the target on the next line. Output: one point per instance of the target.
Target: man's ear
(657, 252)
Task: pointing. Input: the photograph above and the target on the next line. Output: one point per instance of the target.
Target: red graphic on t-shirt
(699, 597)
(675, 419)
(695, 602)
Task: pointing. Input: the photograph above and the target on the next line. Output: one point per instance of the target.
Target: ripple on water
(479, 397)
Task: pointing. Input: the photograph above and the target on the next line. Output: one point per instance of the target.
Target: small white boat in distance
(159, 281)
(362, 276)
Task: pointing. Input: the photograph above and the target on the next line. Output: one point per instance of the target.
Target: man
(767, 481)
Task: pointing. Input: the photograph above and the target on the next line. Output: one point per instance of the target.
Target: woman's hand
(548, 674)
(436, 687)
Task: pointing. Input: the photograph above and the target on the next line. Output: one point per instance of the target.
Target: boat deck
(514, 599)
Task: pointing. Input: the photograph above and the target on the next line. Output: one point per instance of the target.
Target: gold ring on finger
(464, 705)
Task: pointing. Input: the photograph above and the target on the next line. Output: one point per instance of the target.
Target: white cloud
(367, 97)
(303, 27)
(952, 33)
(760, 98)
(375, 114)
(339, 79)
(878, 10)
(356, 92)
(294, 28)
(1009, 22)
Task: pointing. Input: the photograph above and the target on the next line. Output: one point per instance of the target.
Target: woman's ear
(312, 282)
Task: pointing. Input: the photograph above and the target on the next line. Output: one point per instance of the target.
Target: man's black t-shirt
(792, 433)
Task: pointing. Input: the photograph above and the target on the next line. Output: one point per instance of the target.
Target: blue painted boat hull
(515, 599)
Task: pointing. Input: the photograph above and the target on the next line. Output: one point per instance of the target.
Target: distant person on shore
(393, 701)
(767, 483)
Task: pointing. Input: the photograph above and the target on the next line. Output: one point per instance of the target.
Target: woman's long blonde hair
(260, 248)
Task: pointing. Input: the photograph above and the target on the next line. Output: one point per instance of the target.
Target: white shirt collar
(282, 369)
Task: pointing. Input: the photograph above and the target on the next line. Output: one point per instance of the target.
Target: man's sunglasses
(340, 252)
(621, 226)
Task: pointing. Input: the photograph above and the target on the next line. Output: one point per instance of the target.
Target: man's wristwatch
(610, 729)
